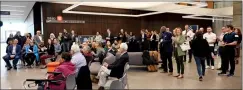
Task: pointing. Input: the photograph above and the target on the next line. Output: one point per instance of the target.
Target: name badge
(236, 35)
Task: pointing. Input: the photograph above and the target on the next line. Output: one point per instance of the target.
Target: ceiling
(157, 7)
(18, 10)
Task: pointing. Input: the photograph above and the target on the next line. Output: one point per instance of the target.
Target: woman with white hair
(115, 69)
(52, 36)
(77, 57)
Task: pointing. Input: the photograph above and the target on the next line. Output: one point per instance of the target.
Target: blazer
(166, 44)
(111, 37)
(178, 42)
(18, 50)
(117, 68)
(74, 38)
(35, 51)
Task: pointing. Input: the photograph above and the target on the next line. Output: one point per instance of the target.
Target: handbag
(185, 46)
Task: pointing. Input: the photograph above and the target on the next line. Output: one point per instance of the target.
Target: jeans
(66, 46)
(15, 60)
(190, 56)
(200, 62)
(210, 59)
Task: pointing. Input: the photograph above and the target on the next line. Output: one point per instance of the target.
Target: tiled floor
(138, 78)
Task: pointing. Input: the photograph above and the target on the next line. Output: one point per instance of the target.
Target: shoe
(15, 68)
(212, 67)
(220, 74)
(230, 75)
(200, 78)
(177, 75)
(207, 67)
(101, 88)
(180, 77)
(43, 67)
(9, 68)
(219, 69)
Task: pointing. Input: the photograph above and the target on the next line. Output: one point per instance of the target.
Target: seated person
(10, 42)
(57, 46)
(50, 53)
(115, 69)
(77, 57)
(42, 49)
(14, 52)
(109, 48)
(31, 53)
(116, 45)
(100, 52)
(87, 54)
(66, 68)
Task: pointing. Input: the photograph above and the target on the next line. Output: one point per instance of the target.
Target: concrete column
(237, 14)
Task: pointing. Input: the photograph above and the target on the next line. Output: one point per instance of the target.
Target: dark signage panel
(4, 12)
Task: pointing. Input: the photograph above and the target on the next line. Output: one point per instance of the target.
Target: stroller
(43, 84)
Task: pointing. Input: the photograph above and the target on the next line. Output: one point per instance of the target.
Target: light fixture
(13, 6)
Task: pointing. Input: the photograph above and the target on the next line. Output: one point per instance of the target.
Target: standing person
(127, 36)
(221, 47)
(189, 36)
(211, 38)
(166, 49)
(38, 38)
(178, 40)
(153, 41)
(109, 36)
(73, 37)
(229, 42)
(98, 37)
(200, 49)
(143, 41)
(60, 38)
(52, 36)
(10, 38)
(237, 48)
(14, 52)
(66, 41)
(19, 38)
(122, 36)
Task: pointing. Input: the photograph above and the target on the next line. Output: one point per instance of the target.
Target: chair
(70, 82)
(114, 83)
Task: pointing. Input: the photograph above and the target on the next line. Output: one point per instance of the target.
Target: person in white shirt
(189, 36)
(220, 43)
(98, 37)
(77, 57)
(211, 38)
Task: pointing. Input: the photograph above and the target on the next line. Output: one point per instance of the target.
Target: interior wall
(94, 23)
(29, 22)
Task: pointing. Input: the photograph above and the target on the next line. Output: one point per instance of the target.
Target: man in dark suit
(109, 36)
(66, 41)
(143, 41)
(166, 49)
(13, 52)
(115, 69)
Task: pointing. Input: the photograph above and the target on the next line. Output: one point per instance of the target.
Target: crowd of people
(168, 43)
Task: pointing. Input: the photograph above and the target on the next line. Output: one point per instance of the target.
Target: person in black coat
(66, 41)
(115, 69)
(200, 50)
(19, 38)
(10, 38)
(109, 36)
(144, 43)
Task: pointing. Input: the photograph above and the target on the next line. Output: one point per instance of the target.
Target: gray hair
(87, 48)
(75, 48)
(124, 46)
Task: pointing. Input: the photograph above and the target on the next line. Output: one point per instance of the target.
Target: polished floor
(138, 78)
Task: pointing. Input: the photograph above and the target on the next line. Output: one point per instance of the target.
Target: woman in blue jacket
(31, 53)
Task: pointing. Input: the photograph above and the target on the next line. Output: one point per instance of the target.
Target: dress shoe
(15, 68)
(9, 68)
(200, 78)
(220, 74)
